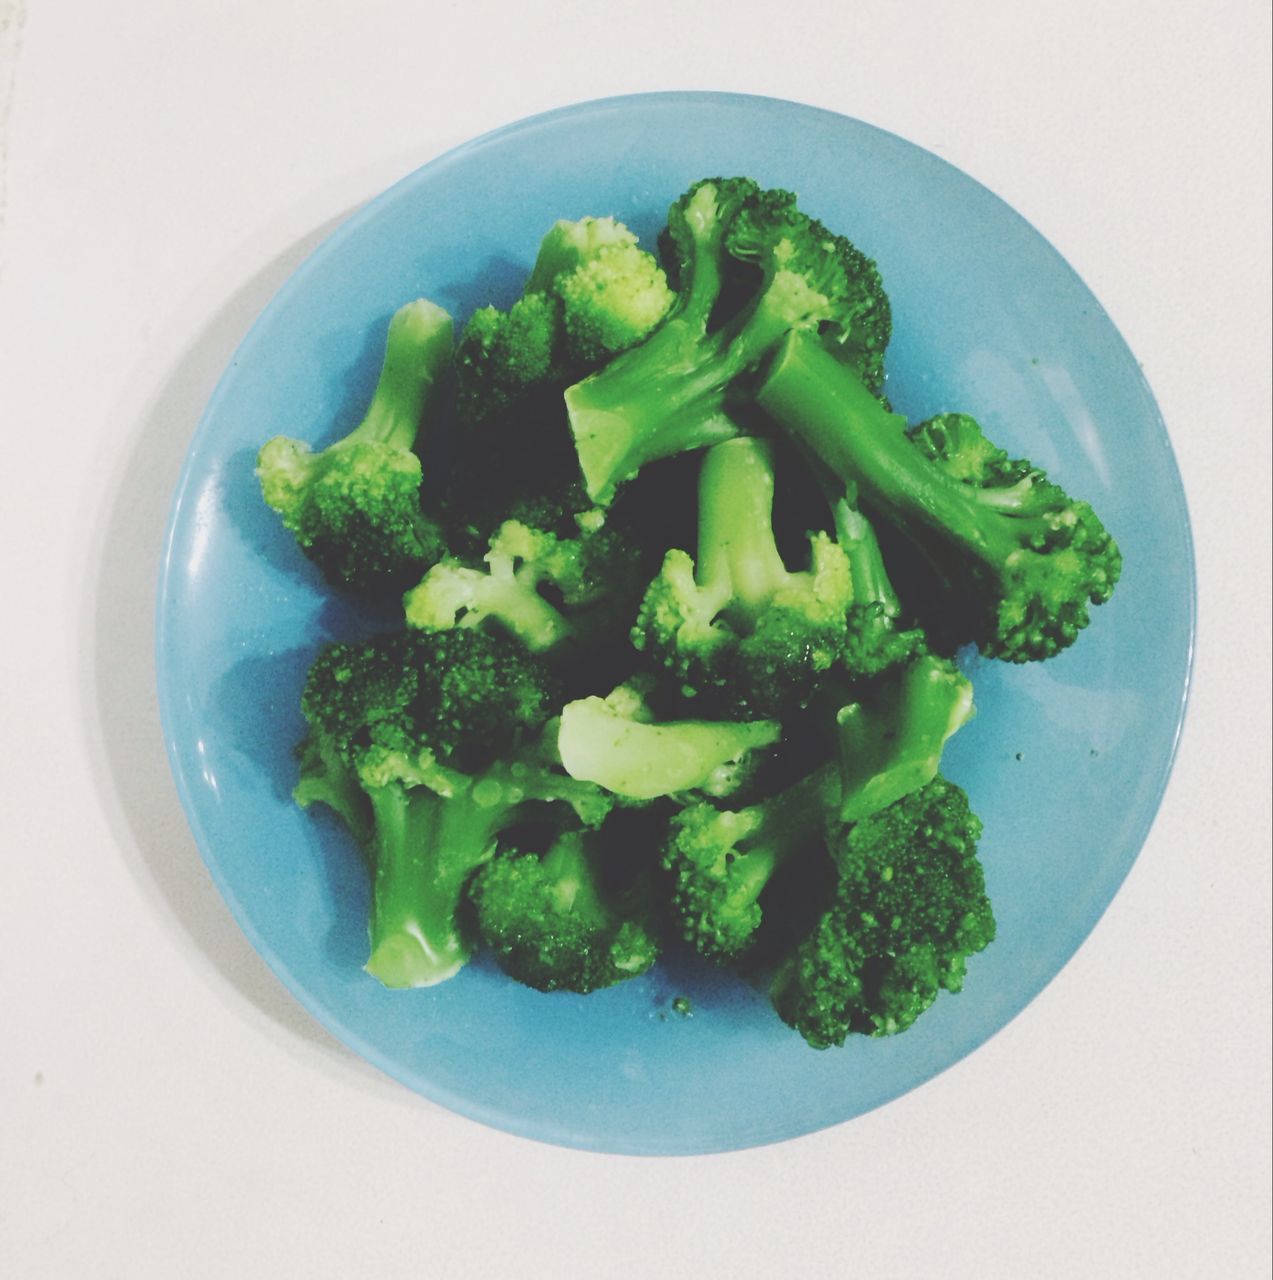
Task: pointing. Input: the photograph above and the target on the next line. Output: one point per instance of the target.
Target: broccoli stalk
(670, 394)
(909, 909)
(555, 922)
(616, 743)
(1021, 561)
(891, 741)
(434, 829)
(721, 860)
(354, 507)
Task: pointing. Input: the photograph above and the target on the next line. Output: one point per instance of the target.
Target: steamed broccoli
(354, 507)
(671, 393)
(420, 742)
(543, 588)
(722, 860)
(738, 626)
(593, 292)
(558, 921)
(909, 910)
(1020, 560)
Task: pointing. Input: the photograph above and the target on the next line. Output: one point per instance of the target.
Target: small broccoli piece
(891, 741)
(909, 910)
(354, 507)
(590, 575)
(616, 743)
(671, 393)
(722, 860)
(1020, 560)
(554, 923)
(739, 627)
(418, 741)
(612, 292)
(592, 293)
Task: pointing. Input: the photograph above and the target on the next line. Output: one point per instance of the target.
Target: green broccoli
(592, 293)
(722, 860)
(1020, 560)
(617, 743)
(355, 507)
(671, 393)
(910, 908)
(419, 741)
(589, 577)
(741, 630)
(556, 922)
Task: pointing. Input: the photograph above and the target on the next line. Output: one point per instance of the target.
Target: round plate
(1066, 761)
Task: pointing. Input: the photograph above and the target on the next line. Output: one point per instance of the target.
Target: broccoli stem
(871, 583)
(826, 406)
(416, 354)
(426, 848)
(668, 396)
(738, 559)
(891, 743)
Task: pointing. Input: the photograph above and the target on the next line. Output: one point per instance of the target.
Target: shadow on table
(118, 688)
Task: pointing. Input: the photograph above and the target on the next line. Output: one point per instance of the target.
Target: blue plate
(1066, 761)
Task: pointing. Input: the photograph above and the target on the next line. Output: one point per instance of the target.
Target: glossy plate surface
(1066, 762)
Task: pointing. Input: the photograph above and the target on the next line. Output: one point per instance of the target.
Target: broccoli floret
(722, 860)
(744, 632)
(1019, 559)
(592, 293)
(671, 393)
(909, 910)
(891, 740)
(555, 923)
(418, 741)
(589, 576)
(354, 507)
(617, 743)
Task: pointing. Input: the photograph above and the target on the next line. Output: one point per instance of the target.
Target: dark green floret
(672, 392)
(355, 506)
(1020, 561)
(554, 921)
(909, 910)
(722, 860)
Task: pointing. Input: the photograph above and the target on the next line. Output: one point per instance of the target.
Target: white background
(165, 1108)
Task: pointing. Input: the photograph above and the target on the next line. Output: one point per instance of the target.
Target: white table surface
(166, 1109)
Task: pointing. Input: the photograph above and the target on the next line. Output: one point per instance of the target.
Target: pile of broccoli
(681, 605)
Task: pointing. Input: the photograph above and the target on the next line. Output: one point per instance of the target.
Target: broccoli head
(722, 860)
(554, 922)
(910, 908)
(355, 506)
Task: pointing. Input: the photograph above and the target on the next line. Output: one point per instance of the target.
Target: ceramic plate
(1066, 761)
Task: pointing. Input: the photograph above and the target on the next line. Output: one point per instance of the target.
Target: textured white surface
(165, 1109)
